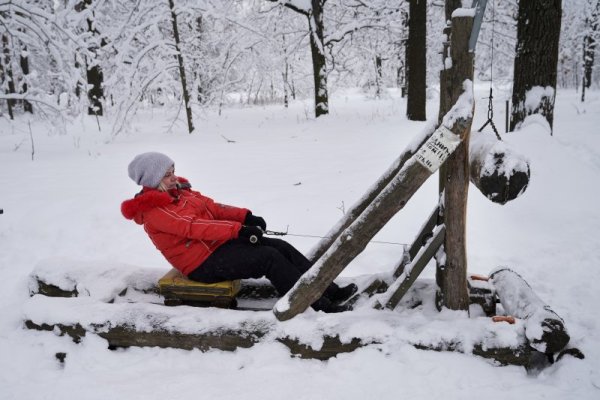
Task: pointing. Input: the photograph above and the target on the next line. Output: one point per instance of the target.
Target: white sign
(437, 148)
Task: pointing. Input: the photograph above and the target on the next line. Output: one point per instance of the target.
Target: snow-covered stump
(496, 169)
(544, 329)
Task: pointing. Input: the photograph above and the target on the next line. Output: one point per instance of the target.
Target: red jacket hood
(148, 199)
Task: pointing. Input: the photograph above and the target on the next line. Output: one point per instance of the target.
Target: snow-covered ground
(300, 174)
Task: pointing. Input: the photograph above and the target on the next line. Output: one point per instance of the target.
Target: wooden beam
(399, 288)
(357, 209)
(421, 238)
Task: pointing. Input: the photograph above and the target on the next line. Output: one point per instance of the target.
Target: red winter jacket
(183, 224)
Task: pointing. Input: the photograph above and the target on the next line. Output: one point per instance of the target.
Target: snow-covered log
(544, 329)
(496, 169)
(153, 325)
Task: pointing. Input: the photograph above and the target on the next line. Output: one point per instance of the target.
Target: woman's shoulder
(143, 202)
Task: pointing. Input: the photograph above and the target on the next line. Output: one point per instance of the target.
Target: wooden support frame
(400, 188)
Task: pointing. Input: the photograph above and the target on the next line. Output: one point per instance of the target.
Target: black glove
(254, 220)
(251, 233)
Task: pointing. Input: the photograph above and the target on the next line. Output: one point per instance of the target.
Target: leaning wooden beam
(398, 289)
(351, 215)
(392, 199)
(425, 233)
(544, 329)
(499, 172)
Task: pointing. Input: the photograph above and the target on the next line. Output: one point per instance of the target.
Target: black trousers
(275, 259)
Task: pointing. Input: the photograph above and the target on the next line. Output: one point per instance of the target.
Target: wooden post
(452, 275)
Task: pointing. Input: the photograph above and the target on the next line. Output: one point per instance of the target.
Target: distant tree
(416, 56)
(535, 67)
(94, 74)
(590, 41)
(184, 89)
(313, 11)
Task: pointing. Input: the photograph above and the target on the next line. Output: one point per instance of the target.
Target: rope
(274, 233)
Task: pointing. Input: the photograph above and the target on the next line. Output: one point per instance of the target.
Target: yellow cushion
(175, 284)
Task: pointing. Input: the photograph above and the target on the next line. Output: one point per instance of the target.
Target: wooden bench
(177, 289)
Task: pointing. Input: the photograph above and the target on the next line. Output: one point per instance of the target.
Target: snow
(62, 221)
(535, 96)
(463, 12)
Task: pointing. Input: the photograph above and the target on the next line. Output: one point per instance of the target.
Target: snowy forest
(111, 58)
(440, 162)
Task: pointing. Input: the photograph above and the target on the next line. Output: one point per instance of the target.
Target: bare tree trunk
(417, 61)
(7, 76)
(94, 74)
(378, 76)
(589, 49)
(315, 24)
(184, 89)
(24, 62)
(538, 33)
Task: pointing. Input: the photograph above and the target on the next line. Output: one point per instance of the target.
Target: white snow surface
(62, 221)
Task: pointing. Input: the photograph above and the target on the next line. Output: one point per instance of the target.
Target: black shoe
(344, 293)
(325, 305)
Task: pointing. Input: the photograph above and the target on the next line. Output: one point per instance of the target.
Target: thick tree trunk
(184, 89)
(417, 61)
(534, 87)
(315, 27)
(452, 275)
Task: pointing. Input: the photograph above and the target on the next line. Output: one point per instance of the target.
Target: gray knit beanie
(148, 169)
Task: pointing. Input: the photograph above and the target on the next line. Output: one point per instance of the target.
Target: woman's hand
(251, 233)
(255, 220)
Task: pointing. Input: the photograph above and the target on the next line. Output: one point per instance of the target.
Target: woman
(210, 242)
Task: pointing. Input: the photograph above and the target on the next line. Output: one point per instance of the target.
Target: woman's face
(169, 181)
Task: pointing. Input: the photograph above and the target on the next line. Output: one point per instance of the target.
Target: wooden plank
(399, 288)
(425, 233)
